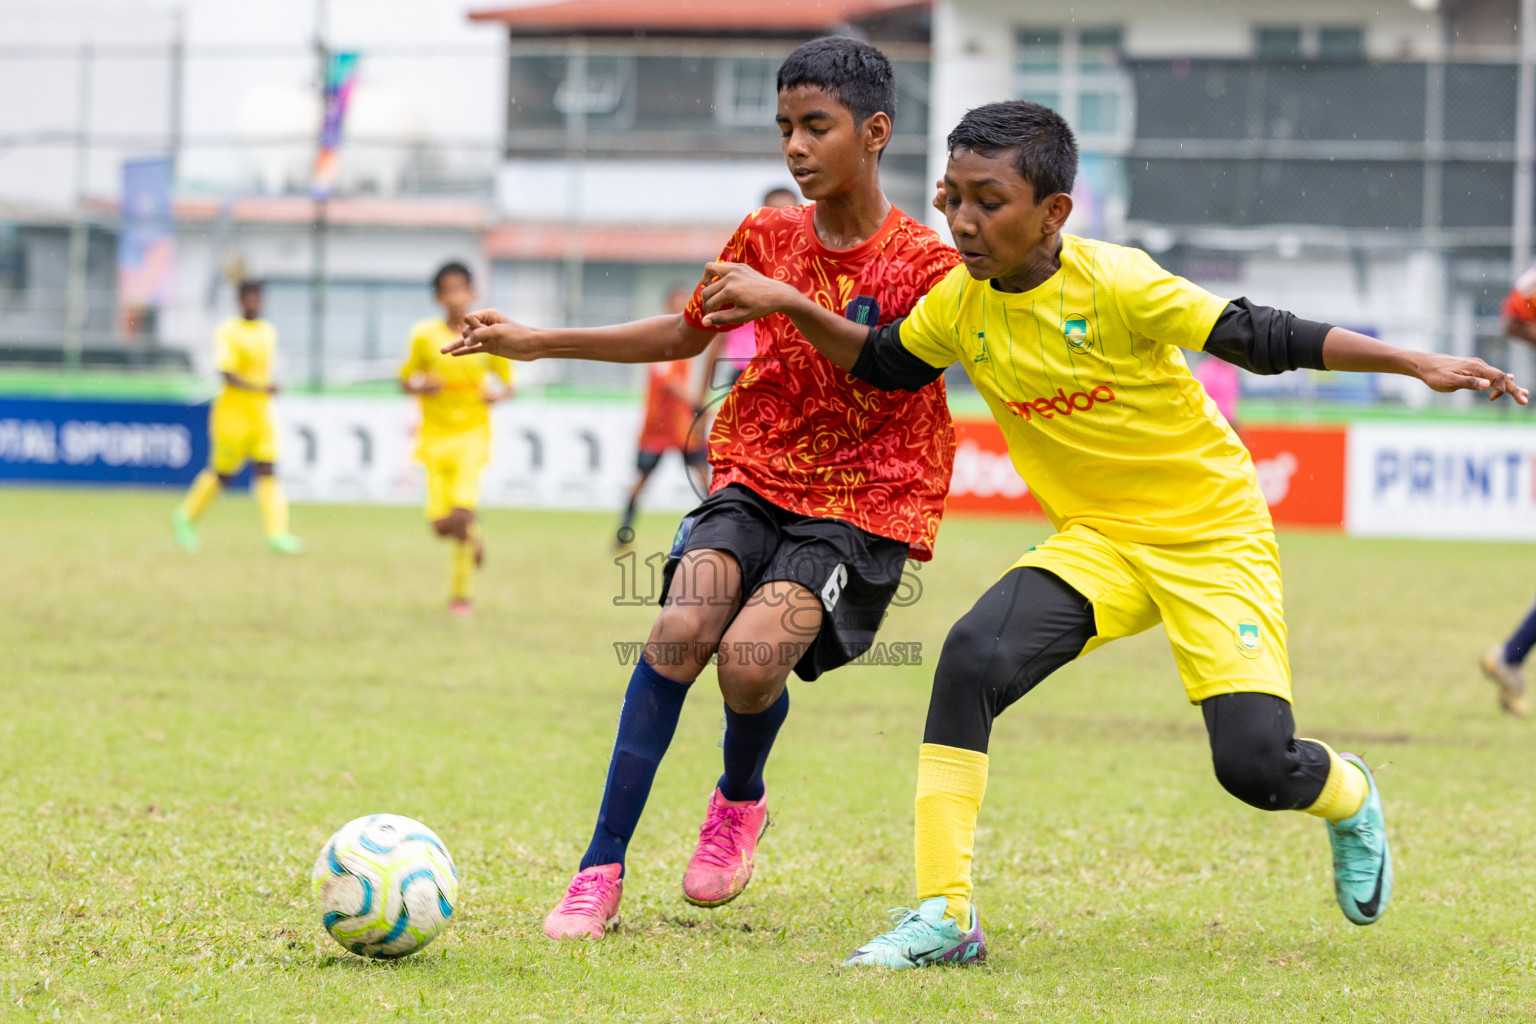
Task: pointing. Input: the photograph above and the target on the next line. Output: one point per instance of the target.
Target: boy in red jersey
(822, 488)
(671, 423)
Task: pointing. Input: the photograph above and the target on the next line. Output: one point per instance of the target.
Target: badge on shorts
(1249, 643)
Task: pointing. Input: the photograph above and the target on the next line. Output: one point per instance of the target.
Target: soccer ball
(385, 886)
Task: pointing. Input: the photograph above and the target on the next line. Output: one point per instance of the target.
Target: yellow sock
(274, 507)
(201, 494)
(1344, 792)
(461, 577)
(950, 785)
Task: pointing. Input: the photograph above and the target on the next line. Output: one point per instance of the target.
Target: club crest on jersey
(1249, 642)
(981, 347)
(864, 311)
(1075, 329)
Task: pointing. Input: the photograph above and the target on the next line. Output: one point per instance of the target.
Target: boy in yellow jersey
(1159, 517)
(240, 427)
(455, 444)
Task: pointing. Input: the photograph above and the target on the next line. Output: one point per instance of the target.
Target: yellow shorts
(454, 465)
(1220, 600)
(235, 438)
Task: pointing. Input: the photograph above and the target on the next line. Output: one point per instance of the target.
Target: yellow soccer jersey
(460, 405)
(1102, 417)
(246, 349)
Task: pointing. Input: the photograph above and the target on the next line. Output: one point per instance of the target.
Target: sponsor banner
(1442, 481)
(1301, 471)
(543, 455)
(49, 440)
(984, 479)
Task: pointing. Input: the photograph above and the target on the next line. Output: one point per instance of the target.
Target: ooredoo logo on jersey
(1063, 404)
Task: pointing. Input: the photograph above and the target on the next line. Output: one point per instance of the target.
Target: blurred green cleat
(285, 544)
(1362, 860)
(185, 531)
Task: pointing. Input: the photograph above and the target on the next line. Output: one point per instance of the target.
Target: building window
(1278, 41)
(1329, 42)
(594, 85)
(1341, 42)
(1078, 73)
(747, 91)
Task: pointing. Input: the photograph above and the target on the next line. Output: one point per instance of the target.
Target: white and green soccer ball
(385, 886)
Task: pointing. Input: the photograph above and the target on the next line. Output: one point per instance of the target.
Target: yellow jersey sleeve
(929, 332)
(502, 368)
(417, 359)
(226, 354)
(1162, 306)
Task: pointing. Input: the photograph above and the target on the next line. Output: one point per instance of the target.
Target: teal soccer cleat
(1362, 860)
(921, 937)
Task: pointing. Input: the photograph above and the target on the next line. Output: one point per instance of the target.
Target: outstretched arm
(1264, 340)
(874, 355)
(652, 340)
(1347, 350)
(739, 294)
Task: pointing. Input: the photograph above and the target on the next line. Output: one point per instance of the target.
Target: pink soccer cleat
(590, 905)
(721, 865)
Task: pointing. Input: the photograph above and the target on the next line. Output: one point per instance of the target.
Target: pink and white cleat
(590, 905)
(721, 865)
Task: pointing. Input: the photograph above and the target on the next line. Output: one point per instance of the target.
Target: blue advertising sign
(95, 442)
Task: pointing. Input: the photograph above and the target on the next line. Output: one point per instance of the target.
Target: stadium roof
(693, 16)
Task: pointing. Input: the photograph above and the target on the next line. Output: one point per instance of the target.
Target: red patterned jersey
(806, 435)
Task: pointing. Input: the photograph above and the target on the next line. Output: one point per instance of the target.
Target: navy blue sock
(1524, 638)
(748, 739)
(652, 705)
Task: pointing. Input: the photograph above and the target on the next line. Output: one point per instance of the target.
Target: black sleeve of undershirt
(885, 363)
(1261, 339)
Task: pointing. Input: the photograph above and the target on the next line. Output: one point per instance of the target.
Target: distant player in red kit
(671, 423)
(1502, 663)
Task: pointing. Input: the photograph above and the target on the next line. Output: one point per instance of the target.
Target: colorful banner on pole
(340, 77)
(146, 246)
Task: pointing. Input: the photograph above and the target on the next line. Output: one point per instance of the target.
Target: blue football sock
(1524, 638)
(652, 705)
(748, 739)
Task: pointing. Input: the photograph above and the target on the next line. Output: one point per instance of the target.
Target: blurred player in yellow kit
(240, 427)
(456, 398)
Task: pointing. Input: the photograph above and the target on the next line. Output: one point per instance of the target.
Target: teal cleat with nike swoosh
(921, 937)
(1362, 860)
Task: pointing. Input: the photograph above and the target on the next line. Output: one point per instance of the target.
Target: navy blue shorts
(855, 573)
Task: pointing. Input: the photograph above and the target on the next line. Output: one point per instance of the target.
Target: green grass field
(181, 733)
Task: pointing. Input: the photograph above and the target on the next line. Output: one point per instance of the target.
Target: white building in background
(639, 134)
(1350, 159)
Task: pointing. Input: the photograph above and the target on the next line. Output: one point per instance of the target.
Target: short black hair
(247, 284)
(781, 190)
(857, 74)
(1045, 148)
(451, 267)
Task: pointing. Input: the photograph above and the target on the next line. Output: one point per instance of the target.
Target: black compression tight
(1030, 623)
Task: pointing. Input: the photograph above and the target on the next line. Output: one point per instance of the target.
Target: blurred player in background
(1502, 663)
(455, 442)
(728, 355)
(1224, 384)
(1159, 517)
(1519, 309)
(671, 423)
(240, 427)
(822, 488)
